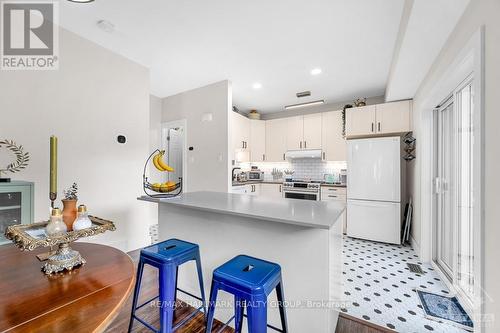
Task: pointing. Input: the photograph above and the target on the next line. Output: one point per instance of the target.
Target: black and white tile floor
(379, 287)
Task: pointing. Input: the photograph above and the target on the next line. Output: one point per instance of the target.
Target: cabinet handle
(280, 188)
(263, 157)
(372, 127)
(284, 157)
(332, 189)
(332, 196)
(305, 144)
(242, 144)
(300, 144)
(324, 156)
(379, 126)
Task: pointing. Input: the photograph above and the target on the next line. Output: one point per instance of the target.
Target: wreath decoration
(22, 158)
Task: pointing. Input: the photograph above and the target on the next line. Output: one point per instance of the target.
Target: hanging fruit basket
(169, 189)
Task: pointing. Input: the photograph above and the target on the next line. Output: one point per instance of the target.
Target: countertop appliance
(255, 175)
(376, 191)
(302, 189)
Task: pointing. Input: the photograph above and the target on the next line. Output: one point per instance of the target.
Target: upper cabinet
(276, 138)
(295, 133)
(388, 118)
(393, 117)
(333, 143)
(360, 121)
(240, 137)
(304, 132)
(257, 140)
(312, 131)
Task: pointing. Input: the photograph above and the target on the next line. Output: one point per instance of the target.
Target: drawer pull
(332, 196)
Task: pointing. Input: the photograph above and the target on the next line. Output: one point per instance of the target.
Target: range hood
(303, 153)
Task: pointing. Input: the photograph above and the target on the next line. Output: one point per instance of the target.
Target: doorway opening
(174, 143)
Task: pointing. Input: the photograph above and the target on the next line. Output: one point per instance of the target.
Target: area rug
(441, 307)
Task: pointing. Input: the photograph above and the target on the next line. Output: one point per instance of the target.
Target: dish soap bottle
(56, 225)
(83, 220)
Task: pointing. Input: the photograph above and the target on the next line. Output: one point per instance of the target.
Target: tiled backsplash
(304, 168)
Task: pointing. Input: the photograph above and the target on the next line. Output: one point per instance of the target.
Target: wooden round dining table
(86, 299)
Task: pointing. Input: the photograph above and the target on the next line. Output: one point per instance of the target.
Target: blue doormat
(440, 307)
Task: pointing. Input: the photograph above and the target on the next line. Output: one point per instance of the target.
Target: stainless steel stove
(302, 189)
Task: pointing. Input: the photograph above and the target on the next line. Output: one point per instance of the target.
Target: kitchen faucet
(233, 176)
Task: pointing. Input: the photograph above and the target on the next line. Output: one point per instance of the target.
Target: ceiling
(192, 43)
(425, 28)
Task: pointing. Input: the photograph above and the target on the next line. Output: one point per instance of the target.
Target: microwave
(255, 175)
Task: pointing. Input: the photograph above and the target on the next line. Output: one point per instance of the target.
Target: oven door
(301, 195)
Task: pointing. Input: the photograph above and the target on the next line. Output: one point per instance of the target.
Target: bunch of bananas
(160, 164)
(165, 187)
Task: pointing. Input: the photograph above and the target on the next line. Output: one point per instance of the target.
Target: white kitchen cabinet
(295, 133)
(339, 194)
(240, 137)
(276, 133)
(312, 130)
(333, 143)
(380, 119)
(361, 120)
(257, 140)
(271, 190)
(393, 117)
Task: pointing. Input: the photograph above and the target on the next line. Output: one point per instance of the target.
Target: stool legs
(140, 269)
(239, 307)
(211, 306)
(202, 288)
(167, 297)
(281, 298)
(257, 315)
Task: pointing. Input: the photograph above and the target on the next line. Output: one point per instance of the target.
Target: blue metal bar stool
(250, 280)
(167, 256)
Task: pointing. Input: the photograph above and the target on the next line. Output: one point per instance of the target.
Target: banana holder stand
(155, 192)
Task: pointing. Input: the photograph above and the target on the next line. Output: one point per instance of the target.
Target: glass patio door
(444, 183)
(455, 187)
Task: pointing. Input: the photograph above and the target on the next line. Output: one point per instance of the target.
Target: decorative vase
(69, 213)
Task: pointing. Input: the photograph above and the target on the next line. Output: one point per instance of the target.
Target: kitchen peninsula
(304, 237)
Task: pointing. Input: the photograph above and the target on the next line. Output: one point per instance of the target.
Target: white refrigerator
(375, 189)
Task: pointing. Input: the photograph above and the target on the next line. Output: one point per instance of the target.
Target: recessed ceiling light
(257, 85)
(301, 105)
(316, 71)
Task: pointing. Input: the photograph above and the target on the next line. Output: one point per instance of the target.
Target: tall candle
(53, 166)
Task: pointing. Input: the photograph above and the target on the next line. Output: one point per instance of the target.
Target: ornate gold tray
(31, 236)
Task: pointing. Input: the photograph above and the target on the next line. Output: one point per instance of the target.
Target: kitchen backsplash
(303, 168)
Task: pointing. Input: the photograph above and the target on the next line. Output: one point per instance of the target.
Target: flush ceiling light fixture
(257, 85)
(302, 105)
(316, 71)
(81, 1)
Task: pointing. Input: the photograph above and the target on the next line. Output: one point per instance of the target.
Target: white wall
(209, 162)
(477, 14)
(94, 96)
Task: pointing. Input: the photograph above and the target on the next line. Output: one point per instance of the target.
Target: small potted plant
(69, 206)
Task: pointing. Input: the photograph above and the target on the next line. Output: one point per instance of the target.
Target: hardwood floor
(149, 289)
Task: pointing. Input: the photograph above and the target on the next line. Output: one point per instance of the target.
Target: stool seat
(169, 251)
(167, 256)
(249, 274)
(250, 280)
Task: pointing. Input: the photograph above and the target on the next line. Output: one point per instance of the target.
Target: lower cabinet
(271, 190)
(336, 194)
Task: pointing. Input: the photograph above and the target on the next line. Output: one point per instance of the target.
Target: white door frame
(469, 61)
(164, 128)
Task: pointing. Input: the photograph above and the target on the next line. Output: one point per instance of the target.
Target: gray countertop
(313, 214)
